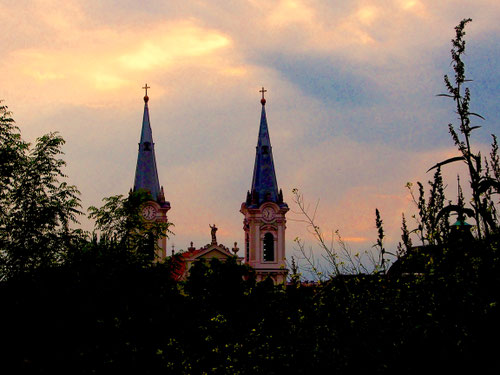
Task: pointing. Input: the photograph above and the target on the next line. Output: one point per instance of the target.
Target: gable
(213, 253)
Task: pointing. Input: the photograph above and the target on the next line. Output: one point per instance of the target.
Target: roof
(264, 184)
(146, 173)
(192, 254)
(198, 253)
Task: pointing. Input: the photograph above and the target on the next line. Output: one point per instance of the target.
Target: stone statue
(235, 248)
(214, 238)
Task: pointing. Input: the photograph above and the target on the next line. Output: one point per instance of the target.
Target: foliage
(432, 221)
(36, 207)
(380, 241)
(480, 181)
(97, 310)
(101, 314)
(405, 237)
(337, 257)
(120, 220)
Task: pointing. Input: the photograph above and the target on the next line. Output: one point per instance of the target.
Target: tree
(37, 207)
(119, 220)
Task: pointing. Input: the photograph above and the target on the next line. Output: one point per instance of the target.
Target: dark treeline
(104, 312)
(98, 303)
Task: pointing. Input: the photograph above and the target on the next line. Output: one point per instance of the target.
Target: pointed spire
(146, 174)
(264, 184)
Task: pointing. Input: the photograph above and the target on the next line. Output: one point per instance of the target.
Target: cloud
(90, 60)
(289, 12)
(351, 99)
(331, 81)
(177, 41)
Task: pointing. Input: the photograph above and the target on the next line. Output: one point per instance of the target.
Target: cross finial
(263, 100)
(146, 97)
(263, 91)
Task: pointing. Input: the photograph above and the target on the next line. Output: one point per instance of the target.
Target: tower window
(247, 248)
(147, 146)
(268, 247)
(265, 150)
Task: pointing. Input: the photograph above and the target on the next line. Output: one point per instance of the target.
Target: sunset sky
(351, 102)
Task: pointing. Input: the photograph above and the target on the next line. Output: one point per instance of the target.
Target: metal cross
(262, 91)
(146, 87)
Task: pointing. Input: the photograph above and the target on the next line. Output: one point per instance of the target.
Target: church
(264, 210)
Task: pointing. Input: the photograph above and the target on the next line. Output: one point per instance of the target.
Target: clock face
(149, 212)
(268, 214)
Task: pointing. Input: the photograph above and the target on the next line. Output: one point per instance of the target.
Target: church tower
(265, 211)
(146, 177)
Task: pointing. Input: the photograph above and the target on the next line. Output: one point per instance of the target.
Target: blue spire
(146, 174)
(264, 184)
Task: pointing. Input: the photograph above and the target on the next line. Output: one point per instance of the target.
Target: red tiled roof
(191, 253)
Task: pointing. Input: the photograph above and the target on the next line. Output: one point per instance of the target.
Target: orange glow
(414, 6)
(355, 239)
(177, 41)
(367, 14)
(290, 11)
(103, 60)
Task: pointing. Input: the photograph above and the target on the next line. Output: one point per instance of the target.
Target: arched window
(268, 247)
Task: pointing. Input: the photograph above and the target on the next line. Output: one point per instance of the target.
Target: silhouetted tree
(119, 220)
(37, 207)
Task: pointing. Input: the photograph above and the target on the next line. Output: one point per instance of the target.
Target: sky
(351, 102)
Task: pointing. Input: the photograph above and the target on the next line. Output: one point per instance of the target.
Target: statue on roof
(214, 238)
